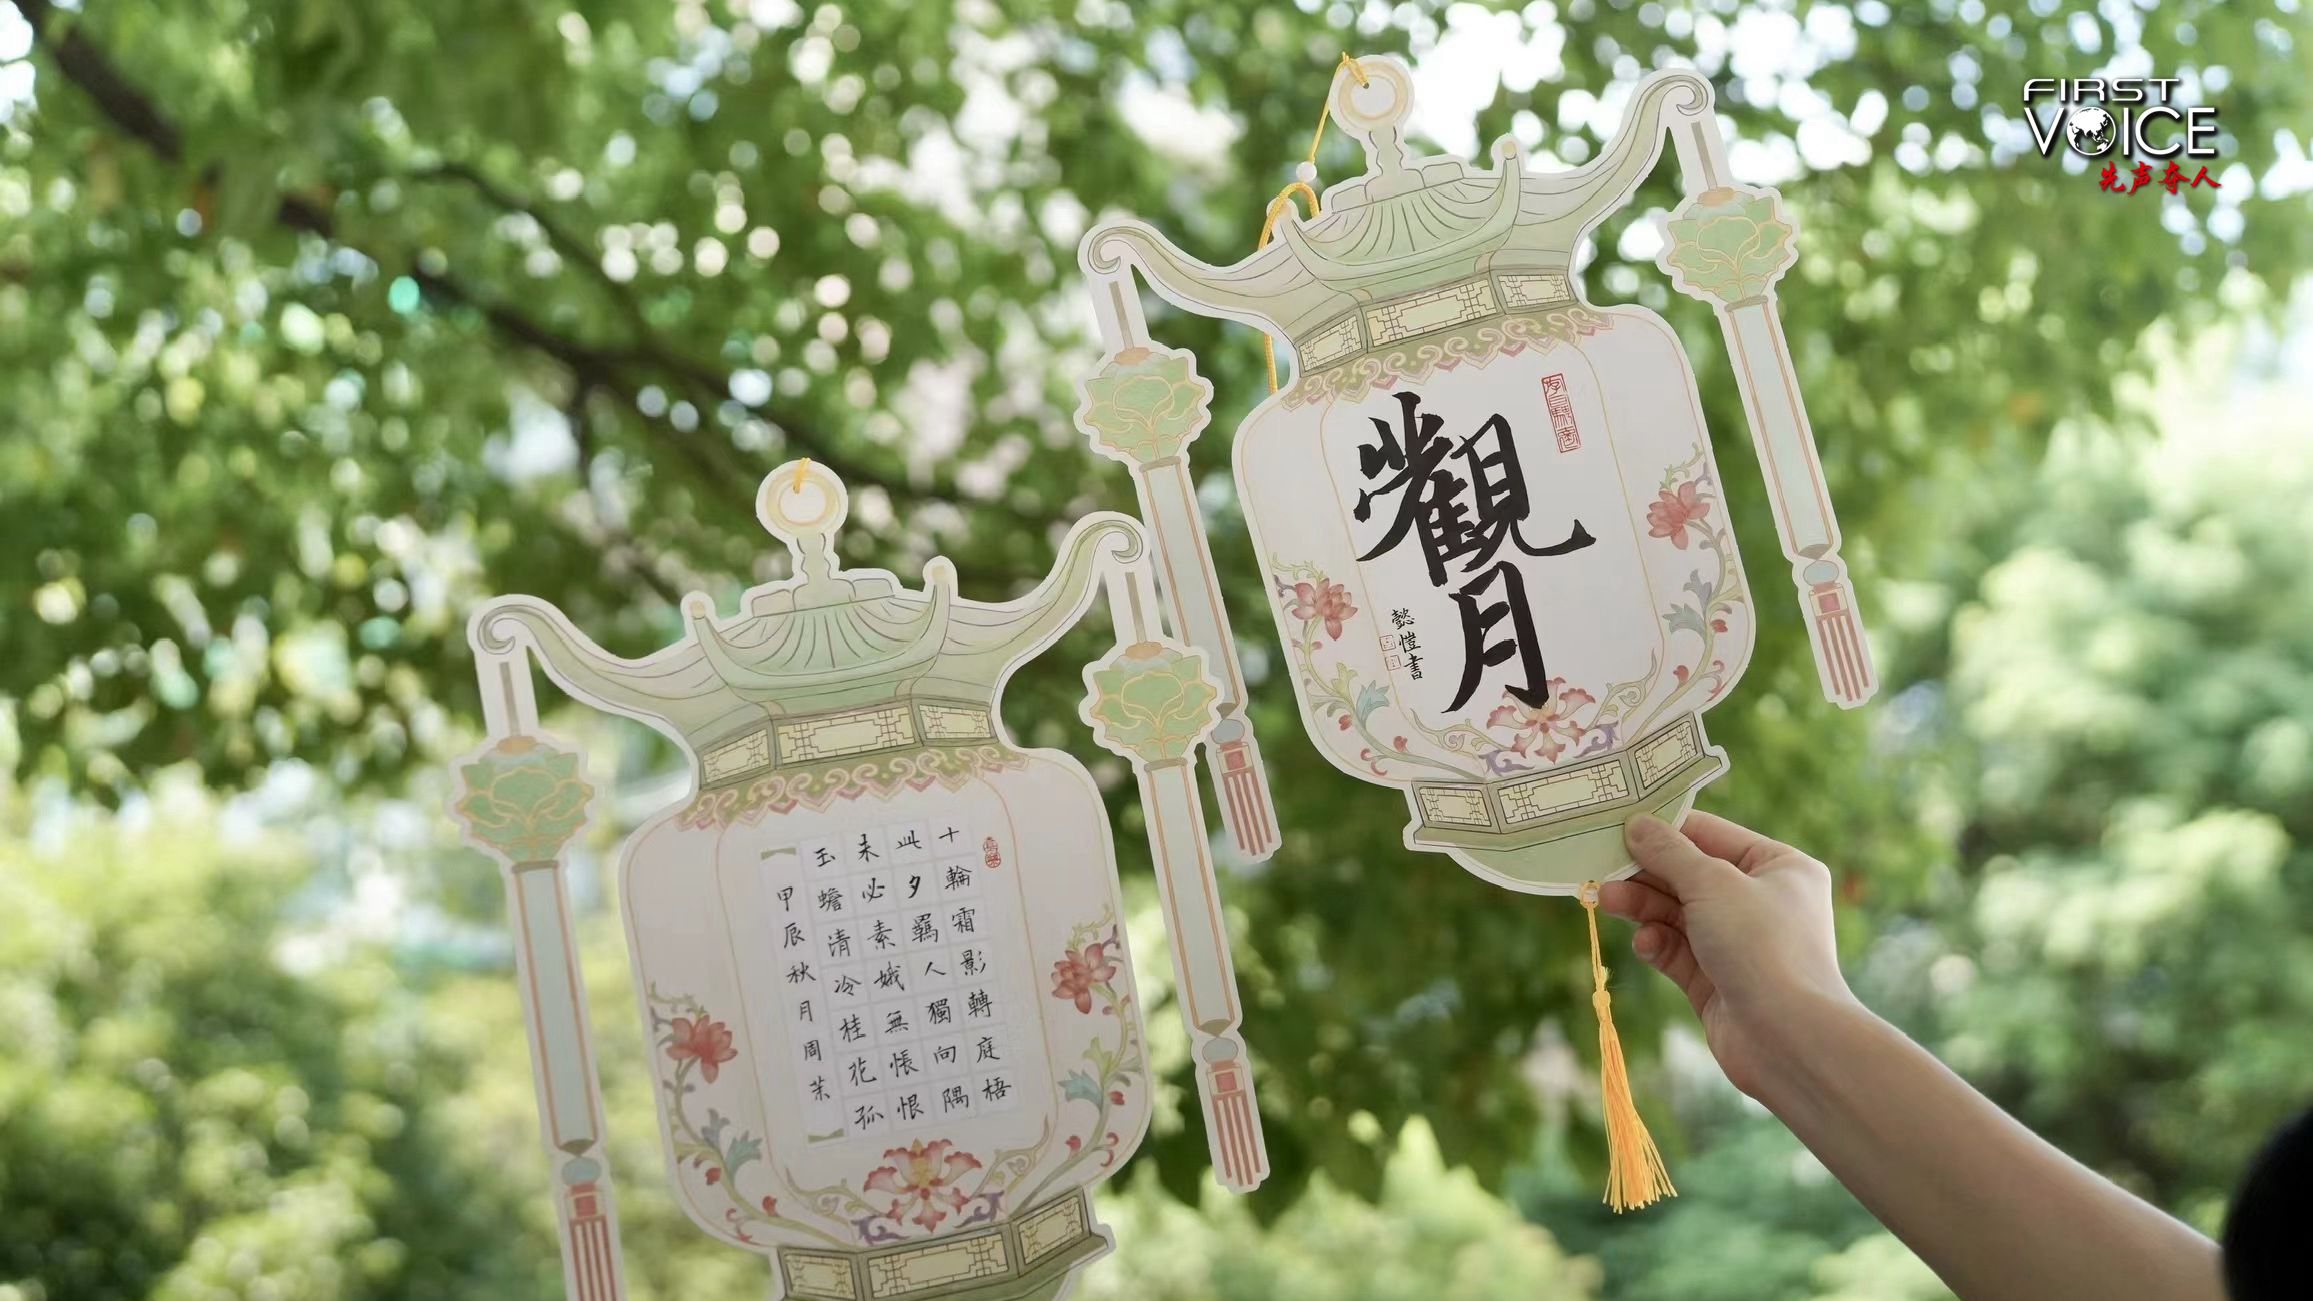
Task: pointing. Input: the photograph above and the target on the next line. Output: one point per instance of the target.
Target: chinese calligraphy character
(1478, 654)
(1461, 524)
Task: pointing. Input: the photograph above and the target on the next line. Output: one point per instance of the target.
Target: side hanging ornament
(879, 953)
(1490, 521)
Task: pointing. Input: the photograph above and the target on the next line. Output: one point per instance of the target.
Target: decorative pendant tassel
(1236, 1123)
(1844, 660)
(1245, 805)
(1635, 1175)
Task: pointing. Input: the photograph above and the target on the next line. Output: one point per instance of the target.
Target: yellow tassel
(1284, 201)
(1635, 1175)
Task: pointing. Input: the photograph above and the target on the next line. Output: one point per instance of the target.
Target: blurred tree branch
(590, 366)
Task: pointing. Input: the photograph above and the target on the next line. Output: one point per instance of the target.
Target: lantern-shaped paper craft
(880, 952)
(1493, 533)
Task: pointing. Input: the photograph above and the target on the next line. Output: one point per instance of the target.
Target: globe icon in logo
(2090, 131)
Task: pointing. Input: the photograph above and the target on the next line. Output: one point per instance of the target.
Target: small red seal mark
(1561, 413)
(991, 855)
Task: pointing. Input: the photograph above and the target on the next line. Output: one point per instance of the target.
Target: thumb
(1672, 858)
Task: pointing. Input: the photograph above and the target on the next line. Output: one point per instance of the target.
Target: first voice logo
(2130, 121)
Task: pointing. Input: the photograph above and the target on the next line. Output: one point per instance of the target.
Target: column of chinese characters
(1400, 647)
(896, 1012)
(1460, 524)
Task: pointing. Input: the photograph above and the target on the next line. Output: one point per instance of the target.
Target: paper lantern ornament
(879, 952)
(1492, 529)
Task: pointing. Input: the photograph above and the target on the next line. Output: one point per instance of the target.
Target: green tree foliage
(2135, 678)
(318, 319)
(183, 1118)
(201, 1103)
(2122, 747)
(1432, 1232)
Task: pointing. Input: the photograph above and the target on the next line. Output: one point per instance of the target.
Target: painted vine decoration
(699, 1045)
(1343, 694)
(1682, 510)
(1086, 976)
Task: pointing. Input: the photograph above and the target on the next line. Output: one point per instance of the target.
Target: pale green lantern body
(1433, 300)
(860, 814)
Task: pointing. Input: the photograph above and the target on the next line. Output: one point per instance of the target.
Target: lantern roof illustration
(1333, 284)
(830, 639)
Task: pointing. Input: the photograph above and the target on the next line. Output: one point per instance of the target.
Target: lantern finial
(804, 505)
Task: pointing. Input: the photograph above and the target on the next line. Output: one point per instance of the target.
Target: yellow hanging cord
(802, 467)
(1283, 203)
(1635, 1175)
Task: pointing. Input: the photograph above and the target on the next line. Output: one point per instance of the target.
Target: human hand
(1742, 924)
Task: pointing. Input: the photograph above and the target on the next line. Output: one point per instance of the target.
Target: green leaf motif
(1079, 1087)
(1145, 404)
(1729, 244)
(523, 798)
(743, 1149)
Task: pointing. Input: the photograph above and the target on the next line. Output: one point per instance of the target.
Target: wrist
(1805, 1038)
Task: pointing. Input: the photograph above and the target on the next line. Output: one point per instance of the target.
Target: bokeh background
(320, 320)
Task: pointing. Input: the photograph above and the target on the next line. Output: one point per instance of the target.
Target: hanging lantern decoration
(879, 953)
(1493, 534)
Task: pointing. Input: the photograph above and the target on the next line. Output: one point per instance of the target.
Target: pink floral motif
(1325, 601)
(1074, 976)
(704, 1040)
(1543, 733)
(921, 1181)
(1671, 512)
